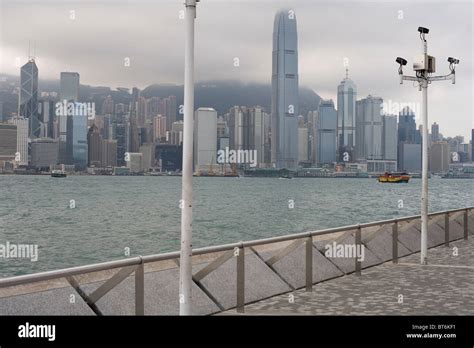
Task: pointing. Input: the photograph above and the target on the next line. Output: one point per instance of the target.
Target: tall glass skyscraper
(346, 117)
(28, 105)
(285, 108)
(69, 92)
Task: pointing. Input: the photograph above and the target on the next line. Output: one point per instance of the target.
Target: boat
(58, 174)
(394, 177)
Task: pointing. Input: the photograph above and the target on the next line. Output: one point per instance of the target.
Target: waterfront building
(44, 153)
(94, 144)
(302, 144)
(285, 93)
(109, 153)
(410, 155)
(8, 142)
(389, 137)
(28, 99)
(21, 139)
(369, 129)
(205, 138)
(135, 162)
(346, 119)
(326, 135)
(439, 157)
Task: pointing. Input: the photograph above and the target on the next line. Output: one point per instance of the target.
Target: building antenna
(347, 73)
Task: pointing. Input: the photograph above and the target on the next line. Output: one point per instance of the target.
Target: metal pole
(424, 156)
(185, 268)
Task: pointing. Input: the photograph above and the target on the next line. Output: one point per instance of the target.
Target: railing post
(309, 264)
(140, 289)
(446, 229)
(395, 242)
(358, 243)
(240, 279)
(465, 224)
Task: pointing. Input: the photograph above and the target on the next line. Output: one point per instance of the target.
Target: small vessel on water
(58, 174)
(394, 177)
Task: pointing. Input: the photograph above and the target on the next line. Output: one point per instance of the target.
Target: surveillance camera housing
(401, 61)
(452, 60)
(423, 30)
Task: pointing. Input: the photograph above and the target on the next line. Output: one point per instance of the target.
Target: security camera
(423, 30)
(452, 60)
(401, 61)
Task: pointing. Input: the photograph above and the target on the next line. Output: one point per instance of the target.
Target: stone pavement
(443, 287)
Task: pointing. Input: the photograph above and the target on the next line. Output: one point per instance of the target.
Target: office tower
(159, 128)
(439, 157)
(389, 138)
(22, 138)
(285, 104)
(176, 133)
(8, 142)
(134, 101)
(258, 118)
(153, 107)
(141, 112)
(407, 133)
(134, 135)
(312, 118)
(222, 129)
(108, 106)
(108, 153)
(44, 153)
(205, 138)
(121, 134)
(135, 162)
(369, 129)
(302, 144)
(235, 124)
(69, 92)
(248, 129)
(326, 136)
(28, 102)
(410, 155)
(46, 116)
(346, 116)
(170, 110)
(69, 87)
(79, 144)
(94, 144)
(148, 152)
(435, 132)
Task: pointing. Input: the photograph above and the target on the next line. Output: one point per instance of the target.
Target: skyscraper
(285, 105)
(94, 144)
(435, 132)
(346, 118)
(326, 133)
(389, 138)
(69, 92)
(205, 138)
(22, 138)
(369, 128)
(28, 103)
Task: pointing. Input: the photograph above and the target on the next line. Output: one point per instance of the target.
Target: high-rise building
(109, 153)
(141, 111)
(69, 92)
(46, 112)
(159, 128)
(259, 140)
(439, 157)
(170, 110)
(410, 155)
(148, 152)
(346, 117)
(235, 121)
(326, 136)
(313, 122)
(28, 103)
(205, 138)
(44, 153)
(21, 139)
(285, 95)
(176, 133)
(69, 87)
(435, 132)
(94, 144)
(108, 106)
(302, 144)
(8, 142)
(369, 129)
(389, 138)
(79, 143)
(135, 162)
(407, 133)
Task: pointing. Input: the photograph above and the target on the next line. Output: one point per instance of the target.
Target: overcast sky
(150, 33)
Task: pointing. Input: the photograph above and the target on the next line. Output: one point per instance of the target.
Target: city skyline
(322, 49)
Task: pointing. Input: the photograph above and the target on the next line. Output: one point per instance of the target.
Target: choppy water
(142, 213)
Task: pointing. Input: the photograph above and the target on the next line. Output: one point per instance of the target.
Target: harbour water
(80, 220)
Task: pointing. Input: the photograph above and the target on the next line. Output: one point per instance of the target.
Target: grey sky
(150, 33)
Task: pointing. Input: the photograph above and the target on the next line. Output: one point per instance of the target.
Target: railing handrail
(67, 272)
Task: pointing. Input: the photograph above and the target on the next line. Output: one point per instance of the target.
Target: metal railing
(136, 264)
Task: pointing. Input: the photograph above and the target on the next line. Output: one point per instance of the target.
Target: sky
(99, 38)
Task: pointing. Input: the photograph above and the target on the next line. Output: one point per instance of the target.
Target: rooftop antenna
(347, 72)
